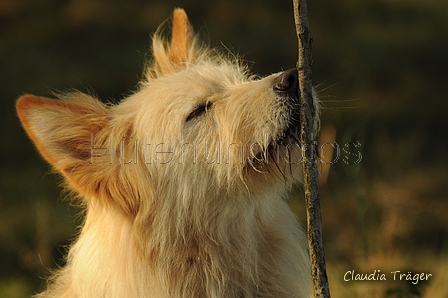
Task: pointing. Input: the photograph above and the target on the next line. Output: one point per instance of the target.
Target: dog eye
(199, 110)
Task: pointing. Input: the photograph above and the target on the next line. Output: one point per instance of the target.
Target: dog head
(198, 125)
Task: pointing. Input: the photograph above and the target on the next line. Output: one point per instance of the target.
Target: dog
(184, 182)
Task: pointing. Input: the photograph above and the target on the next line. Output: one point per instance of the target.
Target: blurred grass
(381, 66)
(15, 288)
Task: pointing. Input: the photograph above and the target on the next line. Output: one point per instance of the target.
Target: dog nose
(287, 82)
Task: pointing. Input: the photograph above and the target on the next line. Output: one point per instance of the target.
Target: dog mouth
(285, 86)
(279, 149)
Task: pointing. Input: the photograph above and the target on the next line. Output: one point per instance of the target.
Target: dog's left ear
(175, 55)
(62, 129)
(65, 132)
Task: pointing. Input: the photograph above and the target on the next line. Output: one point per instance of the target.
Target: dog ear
(62, 129)
(179, 52)
(181, 38)
(73, 134)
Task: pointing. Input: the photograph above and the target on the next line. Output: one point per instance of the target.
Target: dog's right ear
(181, 38)
(176, 54)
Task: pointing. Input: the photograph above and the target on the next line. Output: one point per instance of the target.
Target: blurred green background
(381, 69)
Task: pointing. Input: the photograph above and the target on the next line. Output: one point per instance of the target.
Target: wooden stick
(310, 171)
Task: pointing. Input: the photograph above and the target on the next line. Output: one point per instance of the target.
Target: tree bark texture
(310, 170)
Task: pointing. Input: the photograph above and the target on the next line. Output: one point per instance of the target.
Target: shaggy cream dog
(183, 183)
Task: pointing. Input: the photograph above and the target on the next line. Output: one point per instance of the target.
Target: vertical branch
(310, 171)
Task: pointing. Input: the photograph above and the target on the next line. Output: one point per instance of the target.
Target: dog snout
(287, 82)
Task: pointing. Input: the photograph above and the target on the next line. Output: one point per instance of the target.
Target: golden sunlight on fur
(183, 183)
